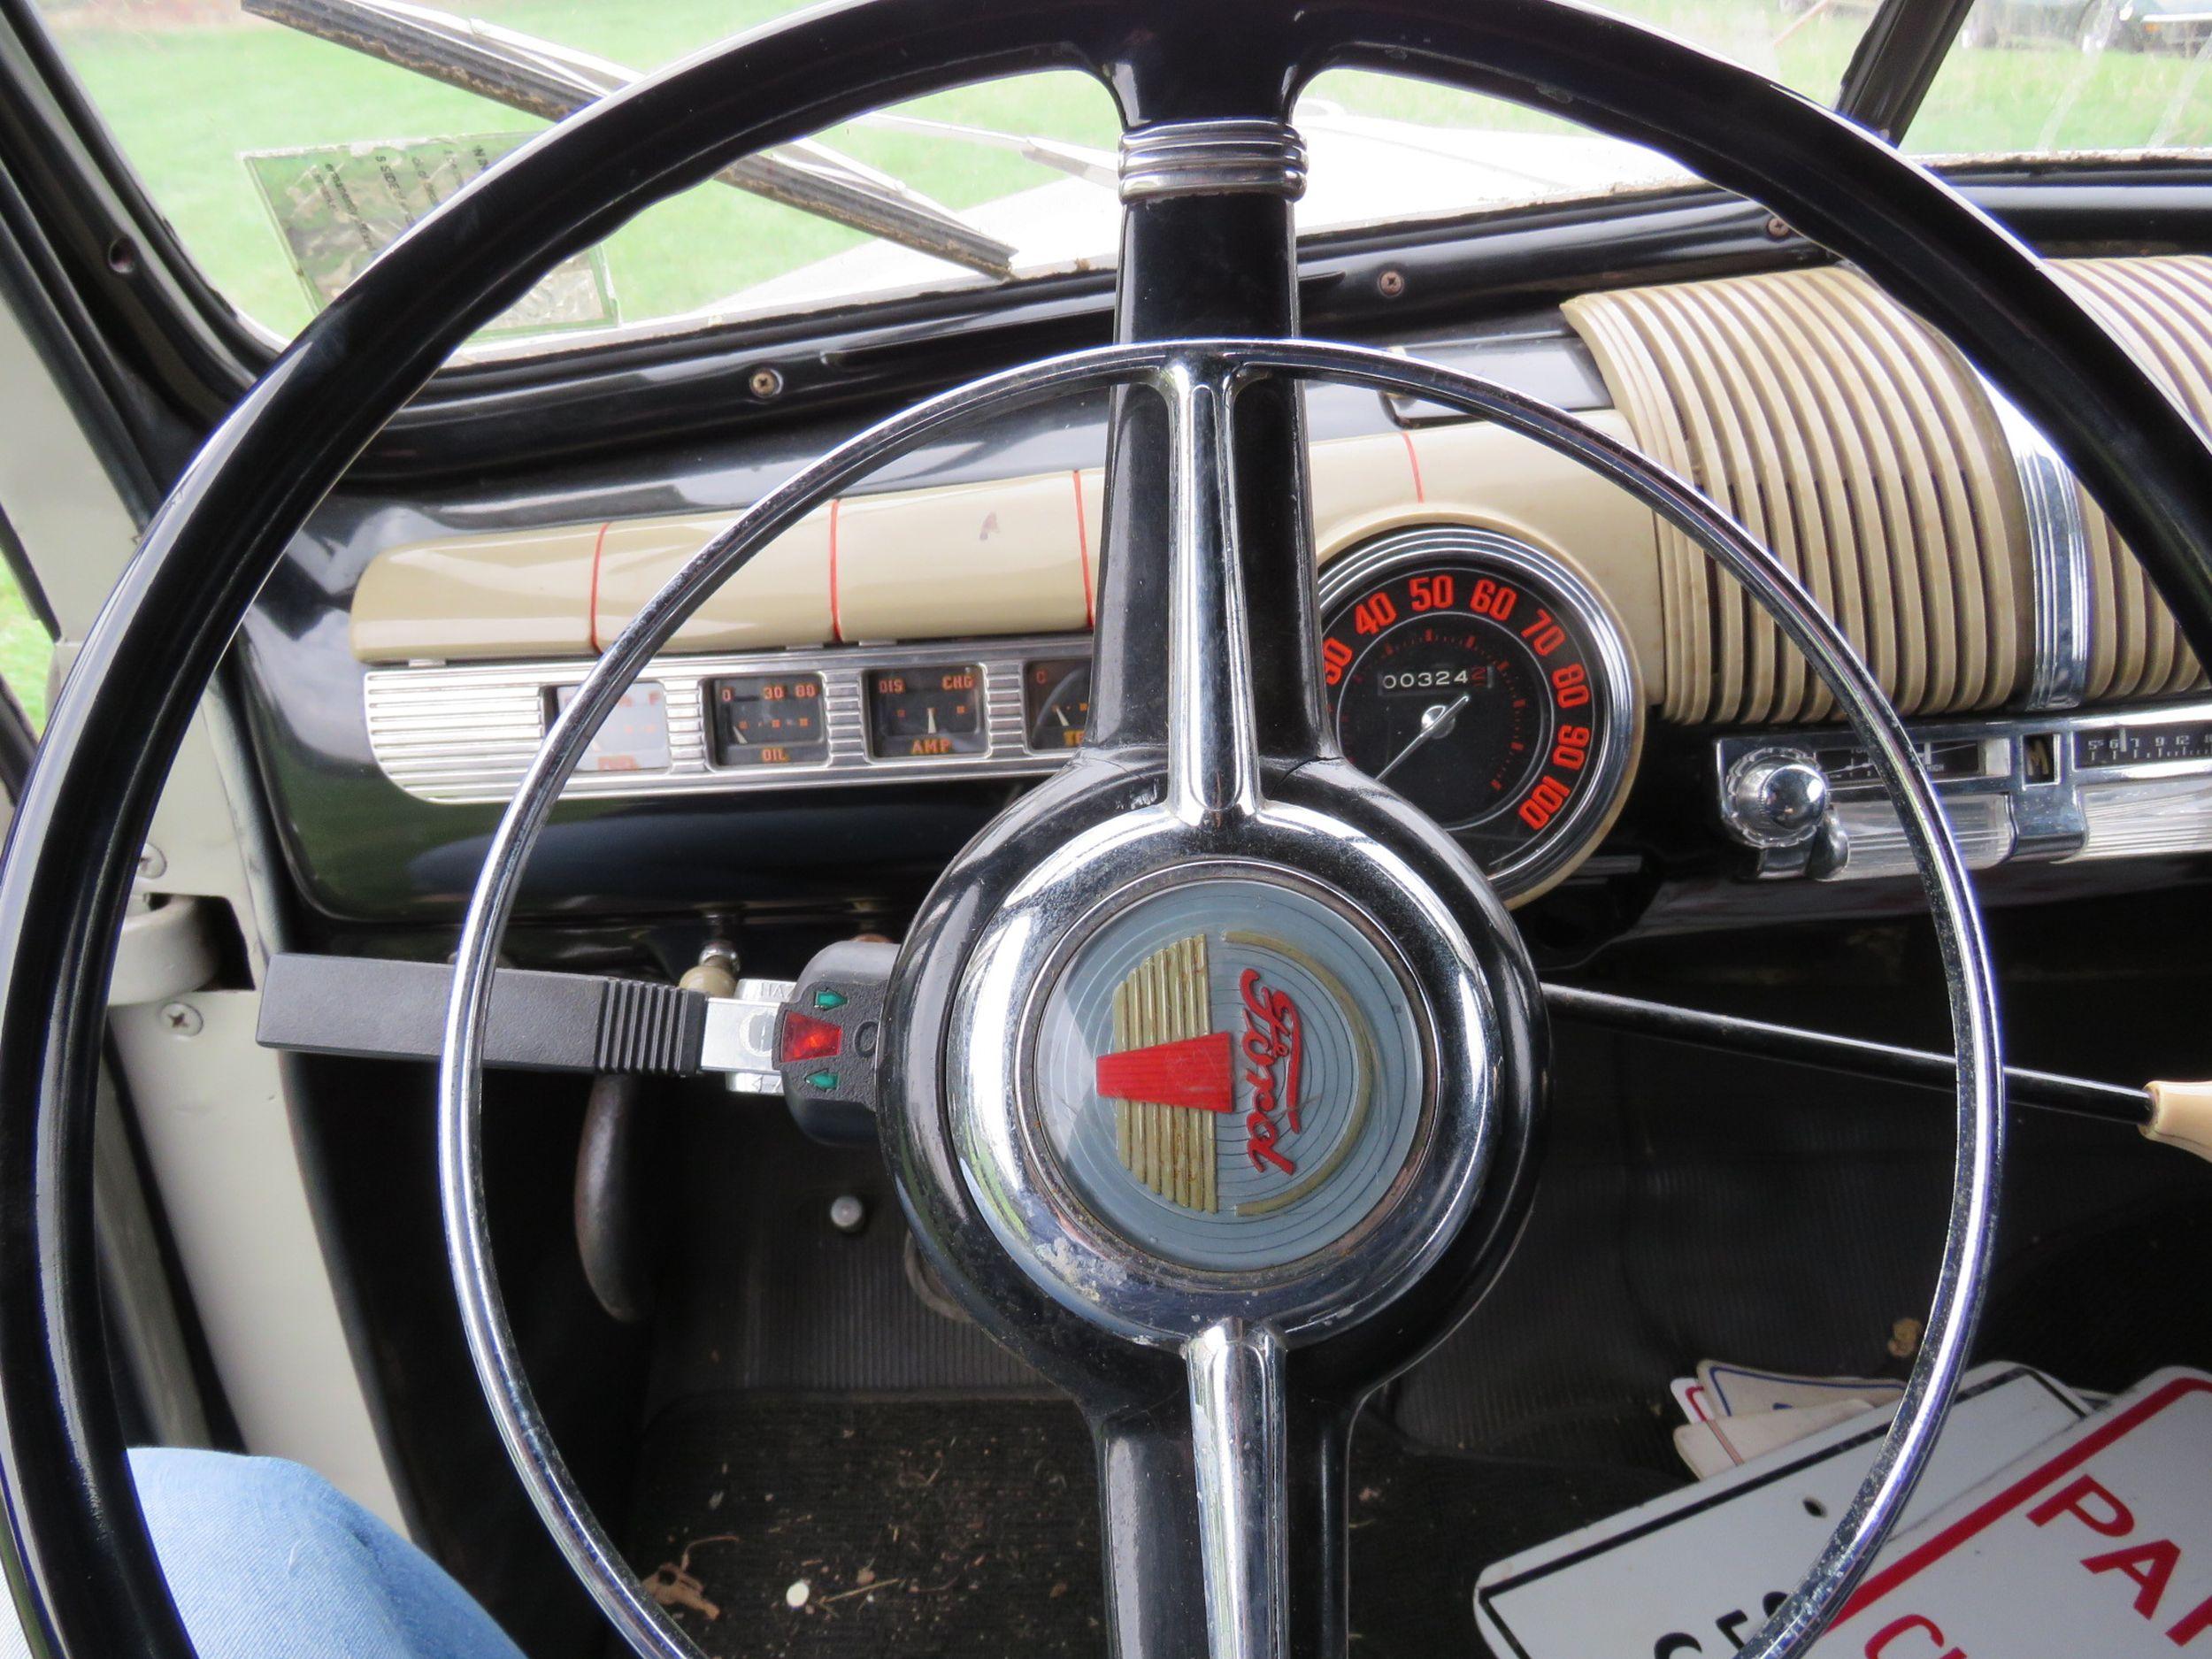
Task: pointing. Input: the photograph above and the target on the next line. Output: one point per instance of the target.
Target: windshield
(285, 160)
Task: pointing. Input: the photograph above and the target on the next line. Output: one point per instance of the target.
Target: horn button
(1226, 1073)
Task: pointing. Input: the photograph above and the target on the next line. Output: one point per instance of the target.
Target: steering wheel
(1210, 848)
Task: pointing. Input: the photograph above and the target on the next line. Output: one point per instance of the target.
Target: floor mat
(902, 1528)
(835, 1527)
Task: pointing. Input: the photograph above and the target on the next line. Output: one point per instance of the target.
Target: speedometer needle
(1429, 729)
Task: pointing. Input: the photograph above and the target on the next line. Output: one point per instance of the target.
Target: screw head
(1391, 283)
(765, 382)
(182, 1020)
(1778, 228)
(151, 863)
(847, 1214)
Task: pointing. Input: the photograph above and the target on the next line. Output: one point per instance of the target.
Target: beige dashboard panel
(527, 594)
(1354, 477)
(782, 596)
(1005, 557)
(1090, 504)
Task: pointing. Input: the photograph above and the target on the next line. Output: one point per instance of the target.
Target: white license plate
(2097, 1545)
(1691, 1575)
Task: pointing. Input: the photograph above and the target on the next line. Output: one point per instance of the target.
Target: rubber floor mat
(819, 1529)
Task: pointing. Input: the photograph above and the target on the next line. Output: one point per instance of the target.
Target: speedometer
(1488, 682)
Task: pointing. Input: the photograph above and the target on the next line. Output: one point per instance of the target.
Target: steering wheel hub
(1221, 1085)
(1229, 1072)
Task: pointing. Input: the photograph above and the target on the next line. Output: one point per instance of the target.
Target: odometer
(1487, 682)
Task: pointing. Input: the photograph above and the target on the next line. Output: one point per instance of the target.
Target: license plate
(1693, 1574)
(2098, 1544)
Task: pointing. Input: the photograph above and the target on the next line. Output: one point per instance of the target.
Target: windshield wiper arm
(544, 78)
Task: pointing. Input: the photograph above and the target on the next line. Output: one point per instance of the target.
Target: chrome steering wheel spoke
(1239, 1407)
(1213, 774)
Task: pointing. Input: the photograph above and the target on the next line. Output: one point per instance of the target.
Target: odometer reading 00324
(1487, 682)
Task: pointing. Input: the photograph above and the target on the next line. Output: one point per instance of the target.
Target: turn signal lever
(814, 1041)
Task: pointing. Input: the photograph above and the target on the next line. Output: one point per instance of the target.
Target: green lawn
(25, 648)
(184, 100)
(223, 90)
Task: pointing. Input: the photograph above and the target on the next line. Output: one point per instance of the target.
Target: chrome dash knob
(1776, 798)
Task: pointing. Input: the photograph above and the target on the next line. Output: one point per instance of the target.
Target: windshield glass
(285, 160)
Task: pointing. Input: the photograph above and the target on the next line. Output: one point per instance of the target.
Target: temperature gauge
(919, 711)
(768, 720)
(1056, 700)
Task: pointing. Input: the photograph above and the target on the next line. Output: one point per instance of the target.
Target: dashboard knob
(1777, 798)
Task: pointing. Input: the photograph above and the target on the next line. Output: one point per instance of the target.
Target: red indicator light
(804, 1037)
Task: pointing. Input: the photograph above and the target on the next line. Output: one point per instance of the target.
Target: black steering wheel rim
(115, 729)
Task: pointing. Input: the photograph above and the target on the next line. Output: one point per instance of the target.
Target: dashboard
(1503, 635)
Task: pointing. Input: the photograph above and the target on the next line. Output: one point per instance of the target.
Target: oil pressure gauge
(1489, 684)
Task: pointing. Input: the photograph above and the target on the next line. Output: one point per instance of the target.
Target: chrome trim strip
(1242, 157)
(466, 732)
(2030, 794)
(2058, 562)
(1236, 1422)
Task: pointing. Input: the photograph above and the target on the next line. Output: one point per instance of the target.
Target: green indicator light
(821, 1079)
(829, 999)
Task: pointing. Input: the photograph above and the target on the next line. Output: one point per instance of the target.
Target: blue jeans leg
(267, 1560)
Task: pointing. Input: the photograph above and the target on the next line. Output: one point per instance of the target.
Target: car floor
(834, 1466)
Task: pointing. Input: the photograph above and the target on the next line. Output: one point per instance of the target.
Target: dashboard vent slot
(1859, 446)
(1853, 441)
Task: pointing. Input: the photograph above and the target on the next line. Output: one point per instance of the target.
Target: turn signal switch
(829, 1036)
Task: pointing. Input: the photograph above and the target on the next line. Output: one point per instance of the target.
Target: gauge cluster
(1482, 678)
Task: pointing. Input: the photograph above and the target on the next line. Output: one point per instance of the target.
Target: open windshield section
(2073, 77)
(289, 141)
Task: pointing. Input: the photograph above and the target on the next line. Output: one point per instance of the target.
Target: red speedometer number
(1543, 636)
(1375, 613)
(1543, 801)
(1492, 599)
(1336, 657)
